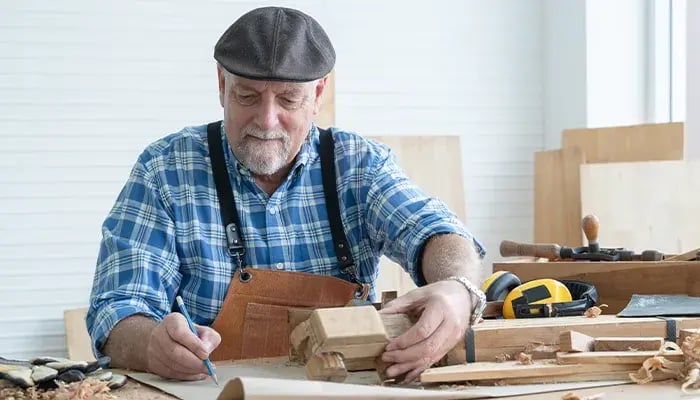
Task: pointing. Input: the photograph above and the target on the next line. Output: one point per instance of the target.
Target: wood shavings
(594, 311)
(89, 389)
(574, 396)
(524, 359)
(691, 351)
(656, 363)
(503, 357)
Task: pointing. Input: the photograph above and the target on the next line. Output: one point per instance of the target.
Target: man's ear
(222, 83)
(319, 90)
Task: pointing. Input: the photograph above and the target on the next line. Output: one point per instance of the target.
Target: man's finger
(209, 337)
(176, 356)
(404, 303)
(429, 321)
(179, 331)
(165, 370)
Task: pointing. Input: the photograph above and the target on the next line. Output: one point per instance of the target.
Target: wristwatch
(478, 308)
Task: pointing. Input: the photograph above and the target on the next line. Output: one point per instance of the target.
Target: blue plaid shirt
(164, 236)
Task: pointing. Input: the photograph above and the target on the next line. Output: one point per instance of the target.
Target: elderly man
(262, 211)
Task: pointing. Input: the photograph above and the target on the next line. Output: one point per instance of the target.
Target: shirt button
(273, 211)
(279, 266)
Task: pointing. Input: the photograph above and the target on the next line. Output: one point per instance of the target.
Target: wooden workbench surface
(652, 391)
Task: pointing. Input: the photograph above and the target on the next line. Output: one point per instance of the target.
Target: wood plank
(615, 357)
(493, 338)
(326, 117)
(510, 369)
(587, 377)
(617, 281)
(628, 143)
(78, 341)
(650, 218)
(628, 343)
(557, 196)
(572, 341)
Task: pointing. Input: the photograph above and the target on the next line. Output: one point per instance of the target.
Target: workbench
(651, 391)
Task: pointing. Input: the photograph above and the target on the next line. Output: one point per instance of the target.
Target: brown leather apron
(253, 319)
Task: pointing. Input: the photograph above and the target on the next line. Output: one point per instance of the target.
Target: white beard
(263, 152)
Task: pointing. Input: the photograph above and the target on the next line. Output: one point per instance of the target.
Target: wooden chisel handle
(514, 249)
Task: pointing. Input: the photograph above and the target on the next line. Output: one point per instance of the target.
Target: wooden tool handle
(514, 249)
(590, 226)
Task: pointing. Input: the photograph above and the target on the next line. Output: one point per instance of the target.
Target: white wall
(85, 85)
(692, 126)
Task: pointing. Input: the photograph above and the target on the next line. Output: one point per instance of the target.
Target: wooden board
(78, 341)
(617, 281)
(511, 369)
(558, 213)
(572, 341)
(628, 143)
(326, 117)
(557, 196)
(434, 163)
(628, 343)
(615, 357)
(645, 205)
(493, 338)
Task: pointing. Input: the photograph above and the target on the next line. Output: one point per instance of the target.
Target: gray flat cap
(276, 44)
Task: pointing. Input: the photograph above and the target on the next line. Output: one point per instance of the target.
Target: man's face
(267, 122)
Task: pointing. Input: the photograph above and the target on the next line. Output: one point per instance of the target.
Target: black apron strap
(346, 263)
(229, 214)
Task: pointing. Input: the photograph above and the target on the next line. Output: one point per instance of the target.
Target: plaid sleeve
(402, 217)
(137, 267)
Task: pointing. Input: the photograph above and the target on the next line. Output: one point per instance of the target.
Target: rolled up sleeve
(137, 268)
(402, 217)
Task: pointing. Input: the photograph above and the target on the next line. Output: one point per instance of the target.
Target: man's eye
(290, 103)
(246, 99)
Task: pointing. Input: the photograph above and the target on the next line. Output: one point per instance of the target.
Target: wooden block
(77, 338)
(615, 357)
(558, 196)
(355, 332)
(571, 341)
(628, 343)
(326, 367)
(509, 369)
(617, 281)
(628, 143)
(687, 256)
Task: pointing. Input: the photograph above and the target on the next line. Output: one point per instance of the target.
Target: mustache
(264, 133)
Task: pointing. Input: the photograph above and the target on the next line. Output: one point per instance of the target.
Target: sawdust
(574, 396)
(524, 359)
(594, 311)
(503, 357)
(88, 389)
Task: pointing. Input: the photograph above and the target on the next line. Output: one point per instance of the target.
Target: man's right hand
(175, 352)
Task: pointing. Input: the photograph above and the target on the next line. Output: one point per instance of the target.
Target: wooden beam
(628, 343)
(510, 369)
(571, 341)
(615, 357)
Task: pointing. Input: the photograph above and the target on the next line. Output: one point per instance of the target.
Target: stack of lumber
(504, 339)
(565, 177)
(578, 357)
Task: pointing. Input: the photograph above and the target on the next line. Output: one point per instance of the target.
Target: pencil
(207, 362)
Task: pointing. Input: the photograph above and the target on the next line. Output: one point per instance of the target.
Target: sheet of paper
(276, 380)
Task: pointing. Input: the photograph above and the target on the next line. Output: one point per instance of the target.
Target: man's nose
(268, 114)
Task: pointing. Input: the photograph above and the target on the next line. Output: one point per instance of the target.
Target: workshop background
(85, 86)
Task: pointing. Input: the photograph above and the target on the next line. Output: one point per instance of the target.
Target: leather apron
(253, 319)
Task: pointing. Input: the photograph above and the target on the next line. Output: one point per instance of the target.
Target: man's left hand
(444, 310)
